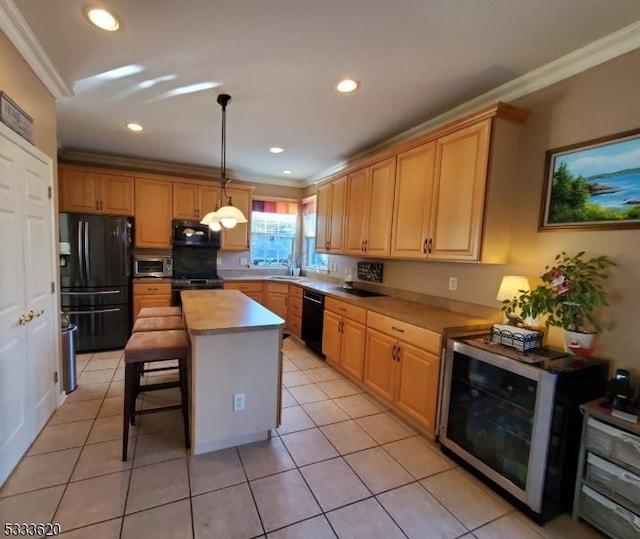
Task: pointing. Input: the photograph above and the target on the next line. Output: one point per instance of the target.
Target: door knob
(39, 313)
(25, 318)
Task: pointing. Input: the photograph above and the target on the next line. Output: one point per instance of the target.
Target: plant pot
(579, 344)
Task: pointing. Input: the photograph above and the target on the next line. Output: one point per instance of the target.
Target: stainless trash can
(68, 357)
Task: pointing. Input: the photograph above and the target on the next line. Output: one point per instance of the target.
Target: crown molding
(591, 55)
(12, 23)
(80, 157)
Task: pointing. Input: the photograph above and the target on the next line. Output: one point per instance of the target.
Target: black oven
(194, 234)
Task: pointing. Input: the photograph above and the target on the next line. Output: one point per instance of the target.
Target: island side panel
(223, 364)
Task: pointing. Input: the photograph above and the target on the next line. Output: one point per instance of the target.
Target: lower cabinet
(294, 310)
(402, 366)
(276, 298)
(343, 336)
(253, 289)
(148, 294)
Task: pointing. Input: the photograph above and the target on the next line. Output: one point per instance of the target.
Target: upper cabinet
(237, 238)
(330, 214)
(153, 213)
(86, 190)
(370, 209)
(193, 201)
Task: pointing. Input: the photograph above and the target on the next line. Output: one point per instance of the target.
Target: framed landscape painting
(593, 185)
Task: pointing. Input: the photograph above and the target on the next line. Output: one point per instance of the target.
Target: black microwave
(194, 234)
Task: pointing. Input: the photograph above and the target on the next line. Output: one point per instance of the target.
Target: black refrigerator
(95, 279)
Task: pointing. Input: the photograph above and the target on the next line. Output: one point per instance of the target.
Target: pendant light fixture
(228, 215)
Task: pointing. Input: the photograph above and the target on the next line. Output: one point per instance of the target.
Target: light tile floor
(340, 465)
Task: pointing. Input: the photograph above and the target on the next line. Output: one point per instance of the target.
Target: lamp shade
(511, 286)
(229, 216)
(213, 220)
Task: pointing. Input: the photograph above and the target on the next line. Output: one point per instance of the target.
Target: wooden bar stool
(147, 312)
(147, 347)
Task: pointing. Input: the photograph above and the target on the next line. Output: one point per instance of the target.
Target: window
(273, 232)
(311, 258)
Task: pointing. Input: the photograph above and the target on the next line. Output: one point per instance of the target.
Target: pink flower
(558, 279)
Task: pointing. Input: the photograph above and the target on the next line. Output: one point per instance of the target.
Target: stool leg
(130, 377)
(184, 397)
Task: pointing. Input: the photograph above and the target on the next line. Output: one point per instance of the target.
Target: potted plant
(571, 296)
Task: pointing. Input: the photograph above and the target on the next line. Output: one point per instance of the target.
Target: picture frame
(593, 185)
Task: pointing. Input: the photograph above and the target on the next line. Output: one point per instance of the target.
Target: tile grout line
(253, 497)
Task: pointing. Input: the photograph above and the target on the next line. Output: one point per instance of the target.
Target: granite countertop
(449, 323)
(207, 312)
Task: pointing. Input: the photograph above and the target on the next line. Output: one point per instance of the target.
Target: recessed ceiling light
(101, 18)
(275, 149)
(287, 171)
(347, 85)
(135, 127)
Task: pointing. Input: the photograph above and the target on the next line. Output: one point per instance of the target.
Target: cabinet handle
(366, 245)
(399, 354)
(430, 245)
(424, 246)
(97, 205)
(342, 309)
(399, 330)
(394, 354)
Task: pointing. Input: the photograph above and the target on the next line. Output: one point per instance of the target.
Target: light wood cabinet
(153, 213)
(150, 294)
(252, 289)
(330, 214)
(343, 336)
(237, 238)
(452, 195)
(84, 190)
(193, 201)
(402, 366)
(294, 310)
(369, 212)
(276, 298)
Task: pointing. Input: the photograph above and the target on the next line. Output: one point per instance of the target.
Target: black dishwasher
(312, 316)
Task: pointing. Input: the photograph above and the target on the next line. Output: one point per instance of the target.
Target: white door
(29, 351)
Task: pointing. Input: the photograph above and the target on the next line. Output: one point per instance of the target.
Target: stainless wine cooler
(514, 417)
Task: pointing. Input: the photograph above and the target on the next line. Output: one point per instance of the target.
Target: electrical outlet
(453, 283)
(219, 262)
(238, 402)
(243, 261)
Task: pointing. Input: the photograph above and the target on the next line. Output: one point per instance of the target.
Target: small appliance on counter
(620, 395)
(152, 266)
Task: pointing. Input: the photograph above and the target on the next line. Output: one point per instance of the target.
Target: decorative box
(15, 118)
(519, 338)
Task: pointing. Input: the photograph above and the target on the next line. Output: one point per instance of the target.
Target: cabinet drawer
(610, 517)
(295, 306)
(294, 323)
(295, 291)
(282, 288)
(614, 480)
(608, 441)
(151, 288)
(357, 314)
(419, 337)
(251, 286)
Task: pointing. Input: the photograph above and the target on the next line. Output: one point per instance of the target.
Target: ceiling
(280, 61)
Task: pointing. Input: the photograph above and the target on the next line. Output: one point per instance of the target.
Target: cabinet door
(379, 365)
(157, 300)
(352, 348)
(338, 207)
(277, 303)
(237, 238)
(323, 217)
(153, 213)
(185, 201)
(417, 393)
(78, 191)
(459, 191)
(357, 211)
(331, 337)
(207, 200)
(116, 195)
(412, 202)
(377, 235)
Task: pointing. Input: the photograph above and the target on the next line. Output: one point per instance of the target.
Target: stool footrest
(159, 385)
(159, 409)
(158, 369)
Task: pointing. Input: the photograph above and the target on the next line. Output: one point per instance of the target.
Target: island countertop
(225, 311)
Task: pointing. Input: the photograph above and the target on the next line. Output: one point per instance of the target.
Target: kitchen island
(235, 368)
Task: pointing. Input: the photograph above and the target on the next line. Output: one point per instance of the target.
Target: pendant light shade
(228, 215)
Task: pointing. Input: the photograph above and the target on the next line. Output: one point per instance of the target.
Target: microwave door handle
(86, 251)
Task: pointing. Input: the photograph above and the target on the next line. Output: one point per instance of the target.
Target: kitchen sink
(360, 292)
